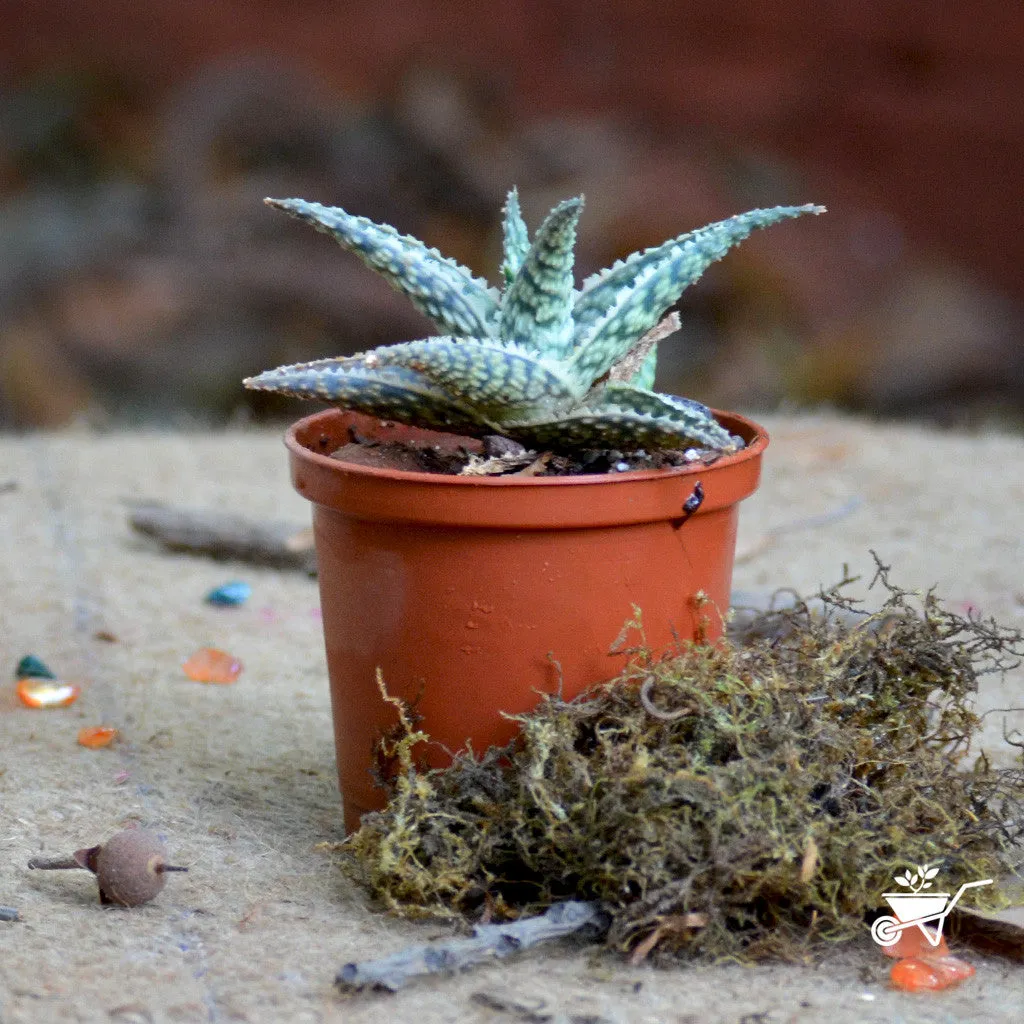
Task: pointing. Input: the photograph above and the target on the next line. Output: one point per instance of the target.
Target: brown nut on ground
(129, 867)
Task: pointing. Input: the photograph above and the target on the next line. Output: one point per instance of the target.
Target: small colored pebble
(96, 736)
(229, 594)
(924, 974)
(31, 667)
(41, 692)
(912, 943)
(208, 665)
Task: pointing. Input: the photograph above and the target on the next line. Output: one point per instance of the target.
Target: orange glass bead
(94, 736)
(208, 665)
(912, 942)
(929, 974)
(914, 974)
(953, 969)
(37, 692)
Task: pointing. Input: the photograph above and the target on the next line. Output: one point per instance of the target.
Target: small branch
(218, 535)
(66, 863)
(488, 942)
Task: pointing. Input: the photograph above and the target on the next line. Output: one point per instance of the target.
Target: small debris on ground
(47, 693)
(929, 974)
(96, 736)
(38, 687)
(210, 665)
(229, 595)
(277, 544)
(9, 914)
(31, 667)
(487, 942)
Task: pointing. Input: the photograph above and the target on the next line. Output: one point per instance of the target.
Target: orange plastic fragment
(208, 665)
(47, 693)
(95, 736)
(912, 942)
(929, 974)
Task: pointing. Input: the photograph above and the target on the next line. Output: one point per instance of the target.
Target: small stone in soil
(497, 447)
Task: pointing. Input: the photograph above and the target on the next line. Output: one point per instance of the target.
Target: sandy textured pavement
(241, 778)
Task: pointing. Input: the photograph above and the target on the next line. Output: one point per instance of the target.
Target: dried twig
(488, 942)
(629, 365)
(276, 544)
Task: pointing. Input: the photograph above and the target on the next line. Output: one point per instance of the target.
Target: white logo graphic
(917, 907)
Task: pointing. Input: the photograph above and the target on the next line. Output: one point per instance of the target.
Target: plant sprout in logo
(920, 879)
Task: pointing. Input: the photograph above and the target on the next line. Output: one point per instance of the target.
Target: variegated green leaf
(695, 419)
(486, 374)
(537, 307)
(607, 428)
(515, 236)
(388, 392)
(652, 288)
(602, 290)
(438, 287)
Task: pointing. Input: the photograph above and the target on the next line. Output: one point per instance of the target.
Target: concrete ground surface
(240, 779)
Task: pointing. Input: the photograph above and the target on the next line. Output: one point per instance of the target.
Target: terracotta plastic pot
(472, 594)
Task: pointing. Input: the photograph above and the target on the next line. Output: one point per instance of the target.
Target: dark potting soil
(501, 456)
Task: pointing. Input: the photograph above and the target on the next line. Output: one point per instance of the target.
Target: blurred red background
(143, 278)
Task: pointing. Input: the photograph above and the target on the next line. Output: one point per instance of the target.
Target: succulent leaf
(601, 290)
(388, 392)
(608, 428)
(536, 309)
(516, 238)
(438, 287)
(692, 418)
(653, 283)
(483, 373)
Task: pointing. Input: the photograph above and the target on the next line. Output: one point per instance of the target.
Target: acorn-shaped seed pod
(129, 867)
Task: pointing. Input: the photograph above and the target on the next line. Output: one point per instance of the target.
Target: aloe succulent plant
(539, 361)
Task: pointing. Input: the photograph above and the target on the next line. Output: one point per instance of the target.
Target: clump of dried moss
(745, 799)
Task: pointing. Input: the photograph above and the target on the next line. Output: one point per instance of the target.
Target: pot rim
(753, 433)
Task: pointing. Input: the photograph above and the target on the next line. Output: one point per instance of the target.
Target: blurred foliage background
(141, 277)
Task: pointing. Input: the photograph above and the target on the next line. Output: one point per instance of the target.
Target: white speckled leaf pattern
(480, 372)
(438, 287)
(390, 392)
(537, 307)
(600, 291)
(516, 238)
(611, 428)
(656, 280)
(689, 417)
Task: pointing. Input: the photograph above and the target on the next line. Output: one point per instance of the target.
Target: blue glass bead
(229, 594)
